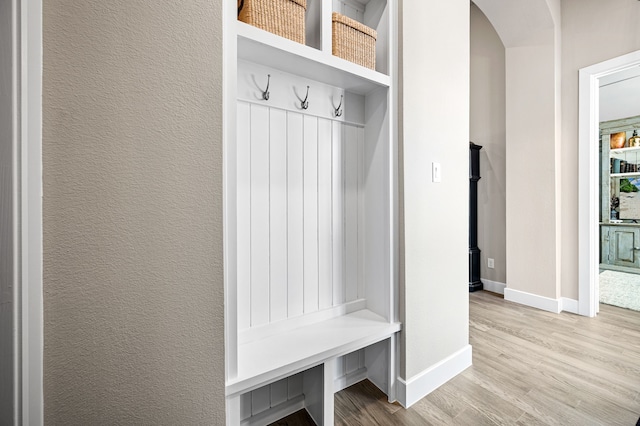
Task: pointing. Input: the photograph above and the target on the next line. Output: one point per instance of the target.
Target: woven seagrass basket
(354, 41)
(282, 17)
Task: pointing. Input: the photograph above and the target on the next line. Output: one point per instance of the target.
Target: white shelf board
(263, 47)
(631, 174)
(263, 361)
(625, 150)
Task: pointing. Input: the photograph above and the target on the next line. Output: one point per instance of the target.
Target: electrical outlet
(490, 263)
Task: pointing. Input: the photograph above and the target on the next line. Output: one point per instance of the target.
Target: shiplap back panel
(351, 8)
(270, 396)
(300, 200)
(348, 364)
(277, 393)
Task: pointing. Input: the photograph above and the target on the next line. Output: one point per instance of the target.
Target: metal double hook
(305, 104)
(265, 94)
(338, 110)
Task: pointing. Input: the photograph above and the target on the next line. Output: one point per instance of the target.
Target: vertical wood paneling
(294, 386)
(337, 198)
(259, 215)
(310, 184)
(300, 214)
(295, 213)
(243, 182)
(351, 212)
(279, 392)
(278, 213)
(361, 233)
(352, 363)
(325, 252)
(260, 400)
(245, 405)
(270, 396)
(349, 363)
(349, 9)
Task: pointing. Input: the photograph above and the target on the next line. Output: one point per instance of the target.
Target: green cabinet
(620, 245)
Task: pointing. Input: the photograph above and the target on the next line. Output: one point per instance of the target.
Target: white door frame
(30, 196)
(588, 177)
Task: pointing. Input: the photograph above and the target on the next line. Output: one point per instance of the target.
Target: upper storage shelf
(260, 46)
(314, 59)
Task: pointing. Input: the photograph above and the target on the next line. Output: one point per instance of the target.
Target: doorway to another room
(619, 112)
(609, 185)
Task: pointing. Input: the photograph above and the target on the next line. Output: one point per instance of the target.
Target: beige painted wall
(593, 31)
(532, 127)
(132, 153)
(531, 170)
(487, 128)
(434, 128)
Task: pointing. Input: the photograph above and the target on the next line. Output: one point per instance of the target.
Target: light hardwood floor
(530, 367)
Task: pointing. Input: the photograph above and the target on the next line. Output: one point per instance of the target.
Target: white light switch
(436, 173)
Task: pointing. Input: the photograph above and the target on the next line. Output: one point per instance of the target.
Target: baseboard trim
(347, 380)
(275, 413)
(411, 391)
(493, 286)
(533, 300)
(570, 305)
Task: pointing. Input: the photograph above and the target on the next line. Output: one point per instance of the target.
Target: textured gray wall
(132, 161)
(7, 234)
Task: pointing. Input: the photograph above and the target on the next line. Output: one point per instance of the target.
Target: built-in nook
(311, 287)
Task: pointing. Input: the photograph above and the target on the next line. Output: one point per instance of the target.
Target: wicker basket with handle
(354, 41)
(282, 17)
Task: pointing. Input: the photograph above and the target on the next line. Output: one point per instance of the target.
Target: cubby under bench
(300, 367)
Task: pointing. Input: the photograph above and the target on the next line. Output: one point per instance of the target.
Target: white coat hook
(305, 104)
(265, 94)
(339, 110)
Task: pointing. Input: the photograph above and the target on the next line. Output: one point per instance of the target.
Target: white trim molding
(419, 386)
(569, 305)
(493, 286)
(31, 314)
(533, 300)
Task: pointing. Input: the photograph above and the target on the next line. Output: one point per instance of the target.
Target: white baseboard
(347, 380)
(275, 413)
(493, 286)
(533, 300)
(419, 386)
(570, 305)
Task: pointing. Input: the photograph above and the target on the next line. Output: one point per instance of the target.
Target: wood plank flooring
(530, 367)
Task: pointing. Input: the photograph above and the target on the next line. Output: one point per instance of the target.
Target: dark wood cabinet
(474, 252)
